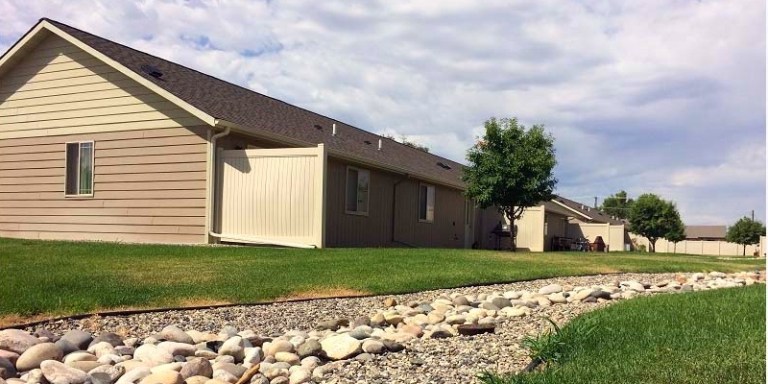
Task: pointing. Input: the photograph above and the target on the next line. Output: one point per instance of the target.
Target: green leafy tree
(745, 232)
(653, 218)
(617, 205)
(510, 168)
(677, 233)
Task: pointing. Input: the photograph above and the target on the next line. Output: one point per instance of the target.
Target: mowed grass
(704, 337)
(56, 278)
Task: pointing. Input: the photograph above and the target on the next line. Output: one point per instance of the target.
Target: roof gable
(45, 27)
(586, 212)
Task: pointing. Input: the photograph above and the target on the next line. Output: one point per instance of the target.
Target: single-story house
(558, 223)
(99, 141)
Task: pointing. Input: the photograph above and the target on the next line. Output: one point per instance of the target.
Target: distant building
(705, 232)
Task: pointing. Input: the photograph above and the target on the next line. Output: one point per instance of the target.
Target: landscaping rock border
(422, 337)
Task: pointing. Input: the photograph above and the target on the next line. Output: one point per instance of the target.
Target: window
(426, 203)
(358, 183)
(79, 177)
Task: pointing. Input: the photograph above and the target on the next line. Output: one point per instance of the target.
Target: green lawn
(704, 337)
(52, 278)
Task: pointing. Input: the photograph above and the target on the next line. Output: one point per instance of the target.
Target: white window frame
(357, 212)
(66, 168)
(426, 219)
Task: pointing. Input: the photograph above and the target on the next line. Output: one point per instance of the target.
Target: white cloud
(650, 96)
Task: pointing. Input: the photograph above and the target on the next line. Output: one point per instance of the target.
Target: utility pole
(596, 204)
(753, 215)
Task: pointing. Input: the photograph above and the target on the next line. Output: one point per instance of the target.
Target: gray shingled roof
(595, 214)
(256, 112)
(705, 231)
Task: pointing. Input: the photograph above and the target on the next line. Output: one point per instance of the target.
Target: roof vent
(318, 127)
(334, 129)
(152, 71)
(443, 165)
(379, 144)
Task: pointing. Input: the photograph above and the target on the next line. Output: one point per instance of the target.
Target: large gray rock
(16, 340)
(332, 324)
(36, 354)
(362, 332)
(74, 340)
(7, 369)
(374, 347)
(197, 367)
(174, 333)
(310, 347)
(109, 337)
(500, 302)
(550, 289)
(341, 347)
(58, 373)
(112, 373)
(99, 378)
(152, 355)
(234, 347)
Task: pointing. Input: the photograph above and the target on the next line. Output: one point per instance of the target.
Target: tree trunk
(512, 233)
(652, 245)
(744, 250)
(674, 249)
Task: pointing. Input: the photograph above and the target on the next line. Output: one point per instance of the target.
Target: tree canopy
(511, 167)
(676, 233)
(653, 218)
(617, 205)
(745, 232)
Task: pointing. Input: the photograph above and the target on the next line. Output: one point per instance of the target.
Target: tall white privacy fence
(705, 247)
(272, 196)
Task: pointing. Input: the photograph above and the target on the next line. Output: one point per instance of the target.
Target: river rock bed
(413, 338)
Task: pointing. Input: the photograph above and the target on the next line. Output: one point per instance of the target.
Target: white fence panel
(273, 196)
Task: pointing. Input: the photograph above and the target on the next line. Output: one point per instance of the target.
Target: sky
(647, 96)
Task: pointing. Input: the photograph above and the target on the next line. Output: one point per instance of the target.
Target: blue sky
(662, 96)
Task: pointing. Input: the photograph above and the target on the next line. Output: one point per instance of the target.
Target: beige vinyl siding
(158, 201)
(58, 89)
(149, 167)
(375, 229)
